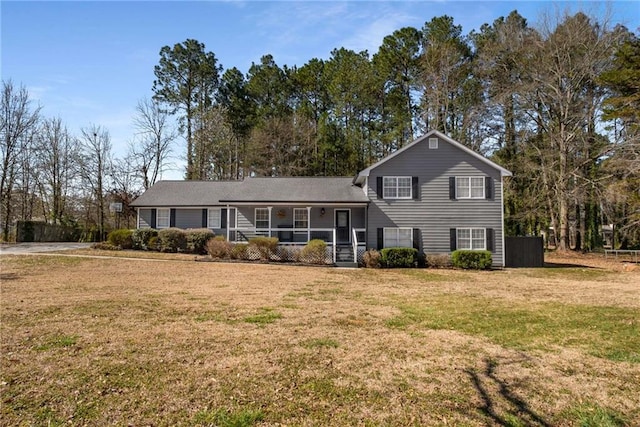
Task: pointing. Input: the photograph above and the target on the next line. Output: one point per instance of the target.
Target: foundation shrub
(266, 246)
(141, 238)
(105, 246)
(314, 252)
(239, 251)
(121, 237)
(471, 260)
(172, 240)
(438, 260)
(219, 248)
(398, 257)
(371, 259)
(197, 239)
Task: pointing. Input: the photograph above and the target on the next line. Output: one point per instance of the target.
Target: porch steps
(344, 256)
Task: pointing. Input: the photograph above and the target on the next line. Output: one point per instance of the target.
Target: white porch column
(308, 223)
(228, 223)
(269, 208)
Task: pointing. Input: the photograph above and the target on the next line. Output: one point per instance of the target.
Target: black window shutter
(416, 238)
(490, 239)
(205, 218)
(172, 218)
(453, 239)
(488, 188)
(415, 189)
(452, 187)
(380, 238)
(154, 212)
(223, 218)
(379, 187)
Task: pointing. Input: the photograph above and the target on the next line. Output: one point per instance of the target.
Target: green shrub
(153, 244)
(219, 248)
(314, 252)
(122, 237)
(142, 236)
(265, 245)
(398, 257)
(197, 239)
(172, 240)
(239, 251)
(371, 259)
(471, 260)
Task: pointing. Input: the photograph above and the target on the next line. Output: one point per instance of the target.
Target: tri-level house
(435, 195)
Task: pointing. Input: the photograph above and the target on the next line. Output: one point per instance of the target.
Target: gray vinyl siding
(145, 218)
(433, 213)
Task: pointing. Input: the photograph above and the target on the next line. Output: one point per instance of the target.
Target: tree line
(557, 104)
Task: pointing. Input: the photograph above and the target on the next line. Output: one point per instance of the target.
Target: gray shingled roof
(259, 190)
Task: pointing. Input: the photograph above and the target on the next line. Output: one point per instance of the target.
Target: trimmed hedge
(314, 252)
(265, 245)
(399, 257)
(197, 239)
(172, 240)
(123, 238)
(471, 260)
(219, 248)
(142, 238)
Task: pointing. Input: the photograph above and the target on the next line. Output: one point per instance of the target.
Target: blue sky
(90, 62)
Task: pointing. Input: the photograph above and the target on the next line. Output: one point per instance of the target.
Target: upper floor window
(300, 218)
(470, 187)
(162, 218)
(262, 217)
(396, 187)
(214, 218)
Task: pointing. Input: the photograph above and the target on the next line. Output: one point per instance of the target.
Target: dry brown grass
(115, 341)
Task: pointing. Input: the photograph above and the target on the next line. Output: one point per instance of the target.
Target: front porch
(342, 228)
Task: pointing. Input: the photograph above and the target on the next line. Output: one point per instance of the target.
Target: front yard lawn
(178, 342)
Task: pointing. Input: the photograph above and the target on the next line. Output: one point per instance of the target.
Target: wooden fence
(524, 252)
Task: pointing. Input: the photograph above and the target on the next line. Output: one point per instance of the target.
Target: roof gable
(359, 179)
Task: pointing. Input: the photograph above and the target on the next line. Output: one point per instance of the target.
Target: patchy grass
(177, 342)
(609, 332)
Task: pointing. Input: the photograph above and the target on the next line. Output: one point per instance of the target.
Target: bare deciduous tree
(17, 119)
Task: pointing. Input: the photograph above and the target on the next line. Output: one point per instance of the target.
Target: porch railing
(359, 243)
(286, 236)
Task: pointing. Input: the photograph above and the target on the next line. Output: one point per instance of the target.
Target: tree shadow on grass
(8, 276)
(483, 381)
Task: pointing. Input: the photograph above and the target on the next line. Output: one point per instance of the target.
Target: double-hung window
(262, 218)
(473, 239)
(214, 218)
(396, 187)
(300, 219)
(162, 218)
(398, 237)
(470, 187)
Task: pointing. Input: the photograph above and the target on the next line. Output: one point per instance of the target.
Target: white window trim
(306, 227)
(168, 211)
(213, 224)
(433, 143)
(471, 248)
(397, 188)
(469, 178)
(397, 229)
(255, 218)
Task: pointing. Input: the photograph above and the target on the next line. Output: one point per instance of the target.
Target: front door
(343, 226)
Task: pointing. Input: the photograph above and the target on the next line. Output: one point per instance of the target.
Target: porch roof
(307, 190)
